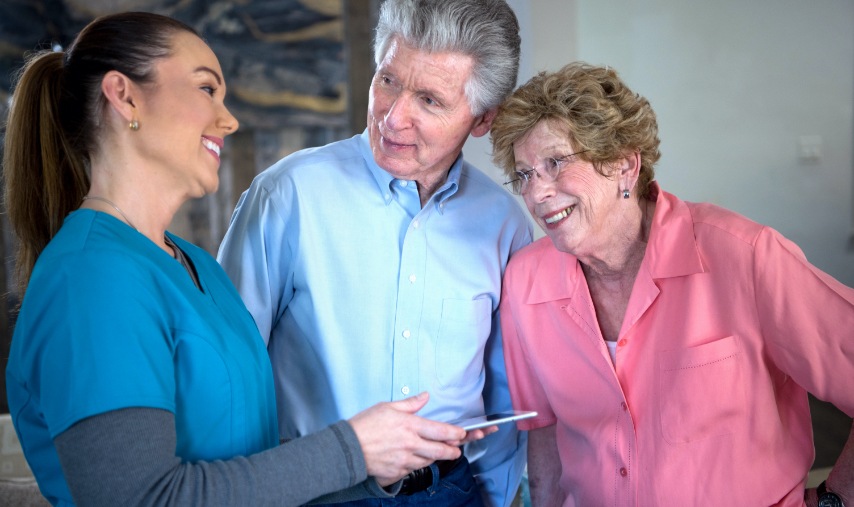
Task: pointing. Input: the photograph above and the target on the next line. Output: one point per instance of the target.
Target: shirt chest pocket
(463, 332)
(701, 391)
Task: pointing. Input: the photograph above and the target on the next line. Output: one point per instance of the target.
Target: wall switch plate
(810, 149)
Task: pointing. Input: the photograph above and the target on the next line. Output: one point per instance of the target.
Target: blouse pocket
(463, 332)
(701, 392)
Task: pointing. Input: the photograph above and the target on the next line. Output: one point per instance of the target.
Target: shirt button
(404, 390)
(387, 196)
(404, 183)
(411, 278)
(441, 205)
(622, 343)
(624, 406)
(406, 333)
(416, 224)
(624, 472)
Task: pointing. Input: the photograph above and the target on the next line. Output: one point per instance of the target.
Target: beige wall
(743, 92)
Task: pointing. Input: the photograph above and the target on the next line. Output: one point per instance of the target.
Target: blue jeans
(457, 489)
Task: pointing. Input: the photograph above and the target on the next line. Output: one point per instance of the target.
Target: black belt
(421, 479)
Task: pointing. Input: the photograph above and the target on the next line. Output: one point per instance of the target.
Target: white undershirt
(612, 348)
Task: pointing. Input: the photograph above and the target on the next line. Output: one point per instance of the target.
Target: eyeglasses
(552, 169)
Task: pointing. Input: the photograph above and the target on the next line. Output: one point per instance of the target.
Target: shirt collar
(551, 286)
(385, 180)
(672, 251)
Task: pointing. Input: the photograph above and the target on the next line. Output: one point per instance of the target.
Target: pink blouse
(727, 328)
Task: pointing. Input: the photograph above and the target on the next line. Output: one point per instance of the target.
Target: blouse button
(624, 472)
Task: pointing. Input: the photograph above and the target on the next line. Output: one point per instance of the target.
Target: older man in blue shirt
(373, 265)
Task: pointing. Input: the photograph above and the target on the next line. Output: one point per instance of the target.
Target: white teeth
(560, 216)
(211, 145)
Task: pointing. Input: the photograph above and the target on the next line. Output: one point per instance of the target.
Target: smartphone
(492, 419)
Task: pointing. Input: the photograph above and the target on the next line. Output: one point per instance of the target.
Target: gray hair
(486, 30)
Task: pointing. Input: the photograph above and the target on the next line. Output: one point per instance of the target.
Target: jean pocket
(701, 391)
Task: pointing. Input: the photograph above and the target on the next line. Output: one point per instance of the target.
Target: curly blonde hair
(601, 115)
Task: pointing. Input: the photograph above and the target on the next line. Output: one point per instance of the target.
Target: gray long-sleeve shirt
(127, 457)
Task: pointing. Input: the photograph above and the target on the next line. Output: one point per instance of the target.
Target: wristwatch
(828, 498)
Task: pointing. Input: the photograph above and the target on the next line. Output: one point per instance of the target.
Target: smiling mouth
(207, 143)
(394, 145)
(559, 216)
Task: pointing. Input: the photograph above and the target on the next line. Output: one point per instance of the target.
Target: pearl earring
(626, 194)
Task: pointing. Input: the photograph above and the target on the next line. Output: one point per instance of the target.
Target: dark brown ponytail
(56, 117)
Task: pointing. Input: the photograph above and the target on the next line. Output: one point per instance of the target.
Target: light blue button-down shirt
(364, 296)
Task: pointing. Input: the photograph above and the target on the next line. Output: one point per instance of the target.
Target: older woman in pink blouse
(668, 346)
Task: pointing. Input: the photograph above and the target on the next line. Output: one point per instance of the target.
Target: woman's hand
(395, 441)
(840, 480)
(811, 497)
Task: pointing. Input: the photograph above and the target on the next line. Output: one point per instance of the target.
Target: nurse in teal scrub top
(136, 375)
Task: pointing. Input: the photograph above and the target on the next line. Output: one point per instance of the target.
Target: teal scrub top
(111, 321)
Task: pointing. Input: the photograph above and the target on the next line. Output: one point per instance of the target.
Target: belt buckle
(417, 481)
(421, 479)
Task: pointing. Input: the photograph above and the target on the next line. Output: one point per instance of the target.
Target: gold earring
(134, 125)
